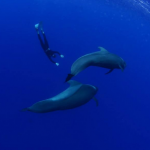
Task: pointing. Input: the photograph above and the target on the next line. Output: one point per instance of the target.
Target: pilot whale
(76, 95)
(101, 58)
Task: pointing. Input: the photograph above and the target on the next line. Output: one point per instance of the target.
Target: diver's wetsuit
(46, 48)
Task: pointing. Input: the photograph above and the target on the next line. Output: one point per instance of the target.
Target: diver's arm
(62, 56)
(51, 60)
(57, 64)
(55, 52)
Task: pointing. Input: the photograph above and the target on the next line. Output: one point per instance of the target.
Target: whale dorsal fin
(102, 49)
(73, 82)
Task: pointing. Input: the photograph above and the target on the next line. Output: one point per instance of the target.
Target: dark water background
(75, 27)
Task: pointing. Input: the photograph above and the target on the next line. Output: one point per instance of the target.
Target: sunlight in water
(145, 5)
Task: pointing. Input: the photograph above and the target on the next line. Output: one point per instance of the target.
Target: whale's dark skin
(76, 95)
(100, 58)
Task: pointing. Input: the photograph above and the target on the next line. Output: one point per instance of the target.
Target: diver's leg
(45, 39)
(41, 42)
(39, 37)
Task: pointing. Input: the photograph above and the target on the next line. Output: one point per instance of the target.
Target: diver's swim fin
(69, 77)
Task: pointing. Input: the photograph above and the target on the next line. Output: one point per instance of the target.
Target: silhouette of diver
(50, 53)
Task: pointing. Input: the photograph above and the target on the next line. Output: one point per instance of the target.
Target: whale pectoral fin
(121, 68)
(95, 99)
(69, 77)
(109, 71)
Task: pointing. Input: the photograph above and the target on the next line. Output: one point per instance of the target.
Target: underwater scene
(75, 75)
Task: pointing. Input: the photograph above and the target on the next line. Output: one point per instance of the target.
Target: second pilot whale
(76, 95)
(101, 58)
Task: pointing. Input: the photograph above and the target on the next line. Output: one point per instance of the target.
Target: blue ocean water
(75, 28)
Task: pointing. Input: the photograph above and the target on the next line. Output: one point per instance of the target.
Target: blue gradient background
(74, 28)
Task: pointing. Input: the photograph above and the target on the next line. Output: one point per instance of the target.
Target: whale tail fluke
(69, 77)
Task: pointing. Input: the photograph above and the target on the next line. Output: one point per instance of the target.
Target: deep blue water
(75, 28)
